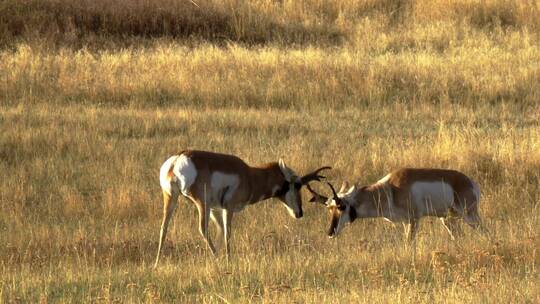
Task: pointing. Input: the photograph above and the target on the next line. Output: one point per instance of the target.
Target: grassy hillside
(269, 53)
(281, 22)
(94, 96)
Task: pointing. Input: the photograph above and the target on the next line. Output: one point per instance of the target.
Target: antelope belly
(432, 198)
(224, 182)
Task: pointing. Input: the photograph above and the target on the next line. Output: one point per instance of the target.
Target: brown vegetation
(94, 95)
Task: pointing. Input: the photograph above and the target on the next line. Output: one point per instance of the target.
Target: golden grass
(93, 98)
(208, 76)
(82, 206)
(102, 23)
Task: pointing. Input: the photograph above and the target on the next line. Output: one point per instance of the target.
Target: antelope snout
(331, 233)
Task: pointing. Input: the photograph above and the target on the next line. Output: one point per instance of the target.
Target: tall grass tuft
(95, 95)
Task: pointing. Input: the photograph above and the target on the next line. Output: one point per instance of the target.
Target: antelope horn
(316, 196)
(338, 200)
(314, 176)
(333, 190)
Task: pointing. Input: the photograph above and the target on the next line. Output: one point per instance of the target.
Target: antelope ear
(351, 189)
(344, 187)
(286, 171)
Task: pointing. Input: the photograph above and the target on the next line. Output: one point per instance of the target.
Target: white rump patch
(185, 172)
(224, 182)
(164, 179)
(432, 197)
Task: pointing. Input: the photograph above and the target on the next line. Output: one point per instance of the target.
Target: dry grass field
(94, 96)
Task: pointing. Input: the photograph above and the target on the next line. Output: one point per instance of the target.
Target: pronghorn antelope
(221, 185)
(407, 195)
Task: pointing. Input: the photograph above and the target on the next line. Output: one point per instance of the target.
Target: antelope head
(341, 211)
(289, 193)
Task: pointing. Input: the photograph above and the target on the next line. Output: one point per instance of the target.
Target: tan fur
(254, 184)
(392, 198)
(401, 181)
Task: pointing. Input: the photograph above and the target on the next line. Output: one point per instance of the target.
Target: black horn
(333, 190)
(338, 201)
(316, 196)
(314, 176)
